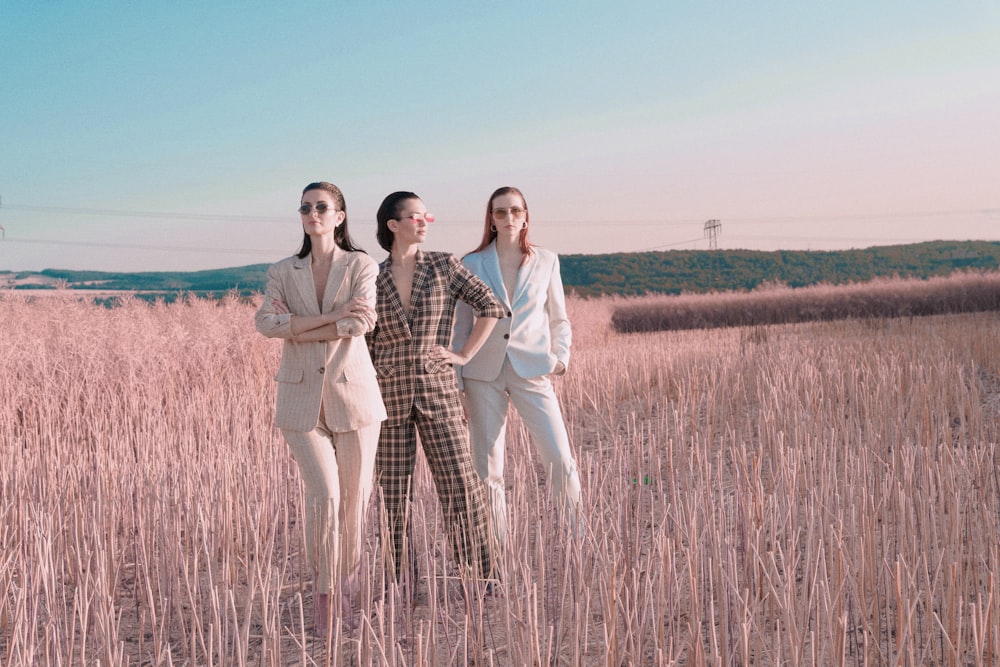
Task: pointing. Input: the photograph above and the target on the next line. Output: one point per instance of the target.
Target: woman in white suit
(514, 364)
(321, 302)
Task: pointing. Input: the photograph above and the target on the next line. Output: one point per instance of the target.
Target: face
(315, 222)
(411, 225)
(509, 215)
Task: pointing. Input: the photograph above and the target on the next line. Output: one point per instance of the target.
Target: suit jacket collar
(302, 276)
(387, 285)
(494, 276)
(335, 282)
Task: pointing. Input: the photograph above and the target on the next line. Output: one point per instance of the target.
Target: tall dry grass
(961, 292)
(811, 494)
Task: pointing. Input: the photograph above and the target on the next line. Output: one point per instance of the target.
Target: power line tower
(712, 228)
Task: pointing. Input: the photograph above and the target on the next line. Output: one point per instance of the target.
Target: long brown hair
(490, 232)
(340, 235)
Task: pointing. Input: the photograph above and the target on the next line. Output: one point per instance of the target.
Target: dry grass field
(807, 494)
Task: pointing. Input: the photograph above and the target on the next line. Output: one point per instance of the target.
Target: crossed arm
(320, 328)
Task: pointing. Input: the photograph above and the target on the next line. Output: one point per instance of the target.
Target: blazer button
(509, 313)
(506, 336)
(322, 370)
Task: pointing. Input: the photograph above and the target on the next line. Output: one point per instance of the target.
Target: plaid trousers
(459, 489)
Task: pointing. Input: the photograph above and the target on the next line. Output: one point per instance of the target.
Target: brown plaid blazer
(399, 344)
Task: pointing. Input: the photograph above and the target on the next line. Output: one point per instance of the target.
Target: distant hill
(244, 280)
(668, 272)
(699, 271)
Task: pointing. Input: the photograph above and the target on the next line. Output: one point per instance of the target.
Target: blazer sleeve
(559, 327)
(268, 322)
(363, 277)
(464, 318)
(468, 287)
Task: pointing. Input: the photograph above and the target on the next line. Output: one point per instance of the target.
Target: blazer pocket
(291, 375)
(385, 371)
(434, 366)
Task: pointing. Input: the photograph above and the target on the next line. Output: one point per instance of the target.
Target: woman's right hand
(356, 307)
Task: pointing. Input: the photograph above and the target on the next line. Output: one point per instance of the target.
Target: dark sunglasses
(321, 208)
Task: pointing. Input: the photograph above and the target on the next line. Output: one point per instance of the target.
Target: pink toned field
(961, 292)
(809, 494)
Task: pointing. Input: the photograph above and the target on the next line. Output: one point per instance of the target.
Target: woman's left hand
(443, 354)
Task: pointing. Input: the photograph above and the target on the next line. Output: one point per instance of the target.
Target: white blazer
(337, 373)
(534, 335)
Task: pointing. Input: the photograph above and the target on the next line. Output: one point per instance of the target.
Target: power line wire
(670, 245)
(142, 214)
(135, 246)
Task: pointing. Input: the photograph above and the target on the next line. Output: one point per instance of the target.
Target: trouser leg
(462, 496)
(487, 405)
(314, 453)
(356, 464)
(536, 403)
(394, 463)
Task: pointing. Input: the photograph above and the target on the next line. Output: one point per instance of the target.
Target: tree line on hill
(702, 271)
(630, 274)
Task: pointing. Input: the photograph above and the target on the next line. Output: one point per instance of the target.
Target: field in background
(808, 494)
(962, 292)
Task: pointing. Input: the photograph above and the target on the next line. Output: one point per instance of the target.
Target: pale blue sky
(178, 135)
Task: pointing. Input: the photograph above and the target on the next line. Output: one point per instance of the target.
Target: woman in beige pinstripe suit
(417, 292)
(321, 302)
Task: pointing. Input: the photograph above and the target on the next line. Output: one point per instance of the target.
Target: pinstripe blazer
(400, 344)
(535, 332)
(337, 373)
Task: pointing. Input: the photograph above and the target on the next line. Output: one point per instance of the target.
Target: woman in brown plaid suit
(415, 308)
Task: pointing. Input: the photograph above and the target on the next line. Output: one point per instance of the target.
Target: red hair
(490, 232)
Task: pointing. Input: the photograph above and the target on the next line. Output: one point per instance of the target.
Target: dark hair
(341, 236)
(390, 210)
(490, 232)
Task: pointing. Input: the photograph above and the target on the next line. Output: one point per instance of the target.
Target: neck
(507, 245)
(401, 253)
(323, 248)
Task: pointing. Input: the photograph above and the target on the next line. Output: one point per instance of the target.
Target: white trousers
(535, 401)
(338, 473)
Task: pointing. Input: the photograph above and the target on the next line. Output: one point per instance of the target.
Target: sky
(178, 136)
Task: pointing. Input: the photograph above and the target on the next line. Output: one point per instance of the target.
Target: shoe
(321, 614)
(493, 589)
(485, 589)
(348, 619)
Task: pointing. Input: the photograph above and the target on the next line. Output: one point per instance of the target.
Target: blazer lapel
(302, 276)
(335, 282)
(420, 274)
(492, 275)
(386, 286)
(524, 277)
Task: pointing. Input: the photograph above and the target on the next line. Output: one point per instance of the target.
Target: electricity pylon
(712, 232)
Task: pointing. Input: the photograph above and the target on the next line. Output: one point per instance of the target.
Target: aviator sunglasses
(502, 213)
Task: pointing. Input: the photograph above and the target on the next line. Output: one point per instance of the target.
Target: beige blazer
(336, 374)
(535, 334)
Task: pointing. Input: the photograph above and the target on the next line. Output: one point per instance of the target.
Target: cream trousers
(337, 471)
(536, 403)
